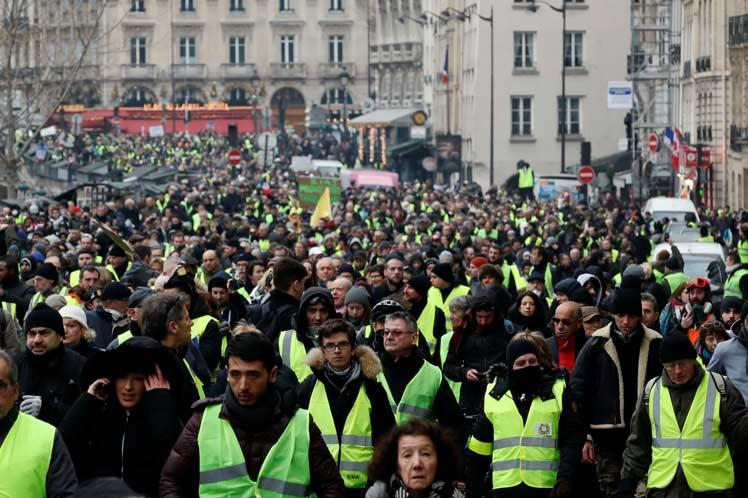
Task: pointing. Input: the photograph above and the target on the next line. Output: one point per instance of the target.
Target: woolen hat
(444, 271)
(518, 348)
(48, 271)
(44, 316)
(478, 261)
(358, 294)
(221, 280)
(731, 303)
(628, 297)
(115, 291)
(676, 347)
(116, 250)
(76, 313)
(420, 283)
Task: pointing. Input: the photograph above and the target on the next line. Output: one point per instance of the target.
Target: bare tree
(47, 47)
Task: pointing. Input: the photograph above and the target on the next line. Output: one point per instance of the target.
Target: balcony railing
(138, 71)
(188, 71)
(239, 71)
(333, 70)
(285, 70)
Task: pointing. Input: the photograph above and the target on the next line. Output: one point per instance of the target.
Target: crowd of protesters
(420, 342)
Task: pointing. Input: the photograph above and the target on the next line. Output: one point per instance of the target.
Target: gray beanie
(634, 271)
(359, 295)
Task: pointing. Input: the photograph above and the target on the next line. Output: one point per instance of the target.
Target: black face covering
(525, 380)
(356, 322)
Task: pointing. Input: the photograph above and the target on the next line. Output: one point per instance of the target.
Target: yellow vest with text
(354, 448)
(699, 448)
(418, 398)
(223, 470)
(293, 353)
(28, 449)
(525, 452)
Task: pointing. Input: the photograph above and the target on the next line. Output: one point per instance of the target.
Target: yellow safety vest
(353, 449)
(426, 324)
(548, 278)
(732, 286)
(526, 179)
(435, 298)
(743, 251)
(28, 449)
(75, 278)
(699, 449)
(418, 398)
(223, 470)
(455, 386)
(524, 451)
(293, 353)
(10, 308)
(512, 271)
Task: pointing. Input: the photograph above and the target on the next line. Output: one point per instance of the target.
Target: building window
(569, 116)
(288, 45)
(336, 5)
(524, 50)
(285, 6)
(521, 116)
(187, 50)
(137, 50)
(236, 5)
(237, 96)
(574, 49)
(336, 96)
(236, 50)
(137, 6)
(187, 5)
(335, 49)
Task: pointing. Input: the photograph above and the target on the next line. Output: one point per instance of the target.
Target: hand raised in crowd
(100, 389)
(156, 381)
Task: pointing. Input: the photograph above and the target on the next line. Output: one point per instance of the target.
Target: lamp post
(254, 112)
(561, 10)
(345, 78)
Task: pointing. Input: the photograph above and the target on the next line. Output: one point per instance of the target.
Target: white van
(672, 208)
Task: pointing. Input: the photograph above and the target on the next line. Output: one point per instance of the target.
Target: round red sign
(654, 143)
(235, 156)
(586, 174)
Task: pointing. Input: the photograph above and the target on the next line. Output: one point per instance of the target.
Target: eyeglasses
(340, 346)
(394, 333)
(561, 320)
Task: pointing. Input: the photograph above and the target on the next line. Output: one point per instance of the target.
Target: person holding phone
(127, 421)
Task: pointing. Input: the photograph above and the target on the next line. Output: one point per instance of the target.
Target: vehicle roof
(694, 249)
(669, 204)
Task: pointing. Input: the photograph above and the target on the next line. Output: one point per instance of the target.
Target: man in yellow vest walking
(250, 442)
(444, 288)
(525, 180)
(684, 426)
(346, 401)
(47, 469)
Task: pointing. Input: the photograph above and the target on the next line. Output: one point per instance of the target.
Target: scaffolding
(653, 69)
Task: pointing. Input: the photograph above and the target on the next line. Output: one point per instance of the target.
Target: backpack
(268, 323)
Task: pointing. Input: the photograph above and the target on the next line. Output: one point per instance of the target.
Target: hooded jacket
(341, 400)
(210, 340)
(300, 324)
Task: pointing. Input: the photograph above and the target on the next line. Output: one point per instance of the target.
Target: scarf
(339, 380)
(255, 418)
(439, 489)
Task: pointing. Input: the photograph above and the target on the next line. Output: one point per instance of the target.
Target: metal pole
(563, 89)
(493, 130)
(173, 83)
(345, 112)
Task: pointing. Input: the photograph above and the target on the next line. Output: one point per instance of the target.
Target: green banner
(311, 189)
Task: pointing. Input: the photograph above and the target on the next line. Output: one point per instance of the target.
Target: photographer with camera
(474, 348)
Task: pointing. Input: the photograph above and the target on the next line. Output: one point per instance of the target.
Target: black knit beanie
(444, 271)
(44, 316)
(628, 297)
(676, 347)
(518, 348)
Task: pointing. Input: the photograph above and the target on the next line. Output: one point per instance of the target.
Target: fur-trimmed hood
(367, 358)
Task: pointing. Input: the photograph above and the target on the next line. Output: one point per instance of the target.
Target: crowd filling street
(417, 342)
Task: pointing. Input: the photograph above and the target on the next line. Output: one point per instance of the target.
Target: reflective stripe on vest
(10, 309)
(111, 270)
(195, 379)
(28, 449)
(525, 452)
(512, 271)
(455, 386)
(674, 280)
(199, 324)
(120, 340)
(418, 397)
(743, 251)
(732, 286)
(223, 469)
(353, 450)
(426, 325)
(699, 449)
(293, 353)
(435, 298)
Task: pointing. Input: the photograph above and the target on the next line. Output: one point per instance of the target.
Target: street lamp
(561, 10)
(345, 78)
(402, 19)
(426, 13)
(254, 112)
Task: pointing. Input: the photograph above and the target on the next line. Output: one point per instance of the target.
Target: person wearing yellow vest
(737, 284)
(85, 258)
(431, 319)
(211, 266)
(415, 388)
(444, 288)
(674, 275)
(683, 429)
(315, 308)
(528, 433)
(251, 442)
(47, 468)
(165, 318)
(541, 263)
(743, 244)
(346, 401)
(119, 263)
(525, 180)
(13, 289)
(46, 283)
(205, 331)
(536, 285)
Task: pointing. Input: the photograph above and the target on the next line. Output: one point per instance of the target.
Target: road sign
(235, 157)
(654, 142)
(586, 174)
(620, 95)
(691, 157)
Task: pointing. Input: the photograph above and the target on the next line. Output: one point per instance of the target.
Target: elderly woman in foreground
(417, 459)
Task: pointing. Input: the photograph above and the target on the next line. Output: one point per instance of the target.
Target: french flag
(445, 70)
(673, 141)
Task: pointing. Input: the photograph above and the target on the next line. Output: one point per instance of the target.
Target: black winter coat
(105, 440)
(55, 377)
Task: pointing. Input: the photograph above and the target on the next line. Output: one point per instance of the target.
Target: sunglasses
(561, 320)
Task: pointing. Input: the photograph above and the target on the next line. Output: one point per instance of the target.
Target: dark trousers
(609, 464)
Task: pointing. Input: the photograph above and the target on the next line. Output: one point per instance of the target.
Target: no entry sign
(235, 157)
(654, 143)
(586, 174)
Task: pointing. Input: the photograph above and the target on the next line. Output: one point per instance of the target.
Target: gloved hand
(225, 329)
(31, 405)
(562, 489)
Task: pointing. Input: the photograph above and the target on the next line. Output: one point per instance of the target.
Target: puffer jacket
(180, 475)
